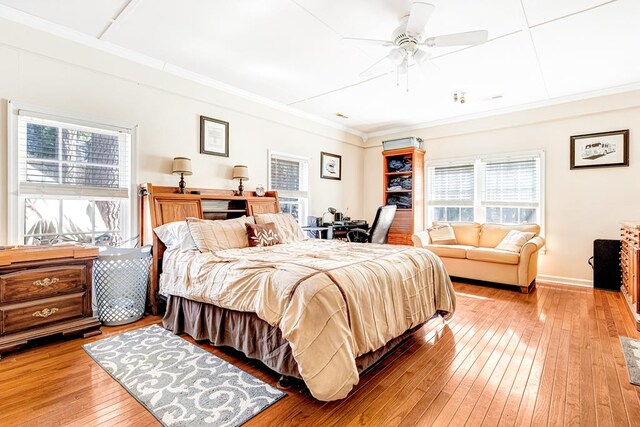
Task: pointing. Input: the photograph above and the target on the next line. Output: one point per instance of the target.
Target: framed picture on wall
(598, 150)
(330, 166)
(214, 137)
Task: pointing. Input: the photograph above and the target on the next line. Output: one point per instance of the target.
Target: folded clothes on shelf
(401, 201)
(399, 165)
(399, 183)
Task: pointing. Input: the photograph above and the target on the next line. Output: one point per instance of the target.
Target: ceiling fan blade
(458, 39)
(381, 66)
(418, 17)
(429, 68)
(366, 42)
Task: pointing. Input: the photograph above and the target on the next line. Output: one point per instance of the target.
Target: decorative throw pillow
(175, 235)
(514, 241)
(288, 227)
(263, 234)
(442, 234)
(211, 236)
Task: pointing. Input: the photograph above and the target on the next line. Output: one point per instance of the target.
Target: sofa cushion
(449, 251)
(442, 234)
(492, 234)
(467, 233)
(515, 240)
(493, 255)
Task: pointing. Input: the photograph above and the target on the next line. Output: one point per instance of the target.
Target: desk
(330, 230)
(319, 232)
(340, 230)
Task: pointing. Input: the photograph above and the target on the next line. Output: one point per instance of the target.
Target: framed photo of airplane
(600, 150)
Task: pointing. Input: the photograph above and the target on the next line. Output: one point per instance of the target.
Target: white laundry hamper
(120, 280)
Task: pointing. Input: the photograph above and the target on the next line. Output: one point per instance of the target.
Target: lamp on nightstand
(240, 172)
(182, 166)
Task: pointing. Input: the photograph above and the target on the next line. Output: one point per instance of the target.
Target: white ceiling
(289, 51)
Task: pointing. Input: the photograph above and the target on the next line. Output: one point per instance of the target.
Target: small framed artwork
(330, 166)
(214, 137)
(600, 150)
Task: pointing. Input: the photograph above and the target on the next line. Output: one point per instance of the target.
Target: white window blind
(59, 158)
(73, 180)
(512, 182)
(452, 185)
(289, 176)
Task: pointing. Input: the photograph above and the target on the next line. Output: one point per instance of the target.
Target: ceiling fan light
(396, 56)
(421, 56)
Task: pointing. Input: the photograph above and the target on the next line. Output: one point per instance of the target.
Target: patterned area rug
(631, 350)
(180, 383)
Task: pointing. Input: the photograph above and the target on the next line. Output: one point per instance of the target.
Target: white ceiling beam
(124, 13)
(527, 30)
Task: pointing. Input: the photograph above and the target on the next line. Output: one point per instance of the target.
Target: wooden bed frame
(165, 204)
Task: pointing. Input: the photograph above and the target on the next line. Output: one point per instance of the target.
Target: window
(289, 176)
(505, 190)
(72, 181)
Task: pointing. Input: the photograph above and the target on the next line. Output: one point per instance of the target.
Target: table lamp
(240, 172)
(182, 166)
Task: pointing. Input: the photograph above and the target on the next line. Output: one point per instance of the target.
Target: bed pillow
(289, 229)
(442, 234)
(211, 236)
(514, 241)
(175, 235)
(263, 234)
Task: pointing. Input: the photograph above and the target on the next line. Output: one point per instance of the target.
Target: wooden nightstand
(45, 291)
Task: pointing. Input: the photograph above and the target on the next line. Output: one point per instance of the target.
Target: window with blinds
(73, 181)
(497, 190)
(451, 194)
(511, 191)
(289, 176)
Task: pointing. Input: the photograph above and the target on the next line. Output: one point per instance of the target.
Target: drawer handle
(46, 312)
(46, 282)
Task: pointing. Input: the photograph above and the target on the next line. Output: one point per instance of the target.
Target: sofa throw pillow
(263, 234)
(442, 234)
(514, 241)
(211, 236)
(288, 227)
(175, 236)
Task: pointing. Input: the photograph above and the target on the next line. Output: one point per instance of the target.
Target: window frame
(16, 209)
(304, 211)
(479, 208)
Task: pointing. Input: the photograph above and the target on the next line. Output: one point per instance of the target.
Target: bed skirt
(249, 334)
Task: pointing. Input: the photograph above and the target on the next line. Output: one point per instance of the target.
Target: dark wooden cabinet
(405, 189)
(45, 291)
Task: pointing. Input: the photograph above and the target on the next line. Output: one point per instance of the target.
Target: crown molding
(513, 109)
(40, 24)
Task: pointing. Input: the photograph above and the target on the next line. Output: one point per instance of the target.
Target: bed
(323, 311)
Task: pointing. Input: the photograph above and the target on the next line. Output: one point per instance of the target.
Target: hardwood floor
(552, 357)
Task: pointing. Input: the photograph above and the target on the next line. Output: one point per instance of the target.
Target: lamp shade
(181, 165)
(240, 172)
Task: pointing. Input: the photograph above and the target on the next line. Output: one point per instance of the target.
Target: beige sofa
(475, 257)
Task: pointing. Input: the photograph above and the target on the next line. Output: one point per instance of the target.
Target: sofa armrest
(534, 244)
(421, 239)
(528, 266)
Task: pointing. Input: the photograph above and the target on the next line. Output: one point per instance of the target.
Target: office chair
(379, 229)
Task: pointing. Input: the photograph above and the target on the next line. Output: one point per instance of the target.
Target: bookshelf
(403, 186)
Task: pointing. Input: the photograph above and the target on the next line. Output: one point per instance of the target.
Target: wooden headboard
(165, 205)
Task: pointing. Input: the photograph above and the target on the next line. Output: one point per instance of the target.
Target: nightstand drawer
(41, 283)
(28, 315)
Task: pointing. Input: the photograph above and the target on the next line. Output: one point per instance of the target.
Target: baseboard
(555, 280)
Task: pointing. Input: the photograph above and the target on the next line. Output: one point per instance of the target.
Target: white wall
(581, 205)
(43, 70)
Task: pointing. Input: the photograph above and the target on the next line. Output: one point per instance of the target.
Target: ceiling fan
(408, 42)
